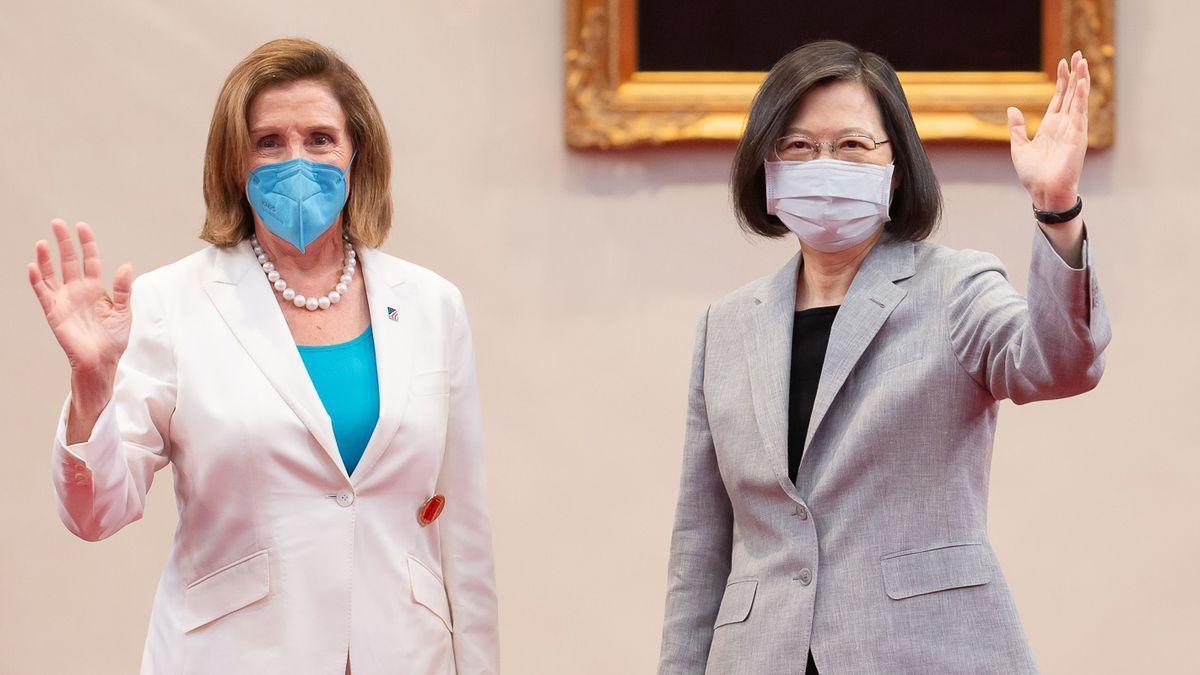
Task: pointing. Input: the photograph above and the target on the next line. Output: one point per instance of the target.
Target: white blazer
(281, 562)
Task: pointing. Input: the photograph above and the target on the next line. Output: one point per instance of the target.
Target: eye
(856, 143)
(322, 139)
(268, 142)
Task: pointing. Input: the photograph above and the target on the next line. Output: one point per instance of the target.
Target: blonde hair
(368, 213)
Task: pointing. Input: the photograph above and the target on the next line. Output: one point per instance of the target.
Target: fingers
(44, 295)
(1060, 88)
(122, 286)
(1082, 89)
(1076, 58)
(67, 256)
(1016, 127)
(45, 263)
(91, 251)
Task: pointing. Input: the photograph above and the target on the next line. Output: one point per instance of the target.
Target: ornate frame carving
(610, 104)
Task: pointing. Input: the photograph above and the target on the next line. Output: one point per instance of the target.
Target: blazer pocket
(891, 361)
(226, 590)
(429, 591)
(431, 383)
(735, 606)
(938, 568)
(907, 358)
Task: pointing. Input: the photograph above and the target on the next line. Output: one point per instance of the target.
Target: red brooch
(431, 509)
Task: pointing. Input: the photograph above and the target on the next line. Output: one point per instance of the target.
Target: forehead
(835, 107)
(303, 103)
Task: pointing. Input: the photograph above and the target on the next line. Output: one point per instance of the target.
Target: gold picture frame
(611, 104)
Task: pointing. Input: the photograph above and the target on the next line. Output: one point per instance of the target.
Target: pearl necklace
(295, 298)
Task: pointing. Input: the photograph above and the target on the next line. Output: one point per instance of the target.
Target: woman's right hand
(91, 325)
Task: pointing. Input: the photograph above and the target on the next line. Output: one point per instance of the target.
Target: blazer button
(805, 577)
(345, 498)
(802, 512)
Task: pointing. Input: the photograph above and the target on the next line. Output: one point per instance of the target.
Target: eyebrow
(848, 130)
(325, 128)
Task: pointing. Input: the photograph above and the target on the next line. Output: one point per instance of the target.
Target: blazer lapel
(869, 301)
(247, 303)
(392, 323)
(768, 346)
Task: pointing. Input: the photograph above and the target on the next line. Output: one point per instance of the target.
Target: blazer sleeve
(464, 526)
(1048, 346)
(702, 540)
(101, 484)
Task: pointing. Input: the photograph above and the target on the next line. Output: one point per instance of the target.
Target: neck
(316, 264)
(825, 277)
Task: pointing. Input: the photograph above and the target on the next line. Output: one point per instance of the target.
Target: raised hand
(1050, 164)
(91, 325)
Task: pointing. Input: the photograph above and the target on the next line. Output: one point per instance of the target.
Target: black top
(810, 337)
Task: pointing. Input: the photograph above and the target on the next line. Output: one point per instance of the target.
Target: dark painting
(915, 35)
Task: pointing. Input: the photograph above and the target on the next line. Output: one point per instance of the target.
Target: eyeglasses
(856, 147)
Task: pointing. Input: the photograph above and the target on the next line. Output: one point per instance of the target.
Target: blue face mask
(297, 200)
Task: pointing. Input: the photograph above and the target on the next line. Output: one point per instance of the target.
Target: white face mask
(830, 204)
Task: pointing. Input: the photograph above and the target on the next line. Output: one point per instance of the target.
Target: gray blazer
(877, 559)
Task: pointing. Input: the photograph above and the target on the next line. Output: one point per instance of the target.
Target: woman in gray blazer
(833, 499)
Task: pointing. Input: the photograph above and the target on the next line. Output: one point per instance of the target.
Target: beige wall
(584, 274)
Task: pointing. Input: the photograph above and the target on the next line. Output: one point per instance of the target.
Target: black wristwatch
(1056, 217)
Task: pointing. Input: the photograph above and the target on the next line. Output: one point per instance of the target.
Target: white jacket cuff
(78, 466)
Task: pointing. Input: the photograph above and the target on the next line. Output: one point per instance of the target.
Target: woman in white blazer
(326, 449)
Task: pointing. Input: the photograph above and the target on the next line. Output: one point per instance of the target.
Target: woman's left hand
(1049, 166)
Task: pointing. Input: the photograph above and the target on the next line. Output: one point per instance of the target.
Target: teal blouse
(348, 384)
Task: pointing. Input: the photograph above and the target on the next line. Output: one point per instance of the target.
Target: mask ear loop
(344, 171)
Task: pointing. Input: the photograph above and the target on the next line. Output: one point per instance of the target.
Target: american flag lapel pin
(393, 313)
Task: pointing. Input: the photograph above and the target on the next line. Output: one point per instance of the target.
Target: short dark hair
(917, 203)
